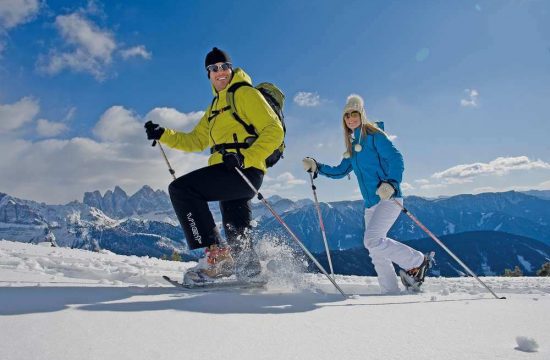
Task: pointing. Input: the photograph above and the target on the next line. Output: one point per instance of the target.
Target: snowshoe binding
(217, 263)
(412, 279)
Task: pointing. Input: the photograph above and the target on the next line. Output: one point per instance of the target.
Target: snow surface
(526, 344)
(58, 303)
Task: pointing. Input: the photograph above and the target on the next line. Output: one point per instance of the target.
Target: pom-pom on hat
(216, 56)
(356, 103)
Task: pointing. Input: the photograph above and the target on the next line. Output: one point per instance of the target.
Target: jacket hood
(238, 76)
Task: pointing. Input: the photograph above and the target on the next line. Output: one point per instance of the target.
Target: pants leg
(191, 193)
(236, 218)
(385, 251)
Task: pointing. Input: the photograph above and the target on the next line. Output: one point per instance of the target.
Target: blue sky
(462, 88)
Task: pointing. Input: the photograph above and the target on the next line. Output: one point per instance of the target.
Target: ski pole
(264, 201)
(413, 218)
(323, 232)
(172, 172)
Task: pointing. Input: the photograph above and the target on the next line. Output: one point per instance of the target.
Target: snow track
(62, 304)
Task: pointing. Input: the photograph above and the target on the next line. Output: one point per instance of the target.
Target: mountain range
(486, 253)
(145, 224)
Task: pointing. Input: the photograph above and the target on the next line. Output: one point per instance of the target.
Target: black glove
(154, 131)
(233, 160)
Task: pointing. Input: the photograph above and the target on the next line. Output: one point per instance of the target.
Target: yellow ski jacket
(252, 108)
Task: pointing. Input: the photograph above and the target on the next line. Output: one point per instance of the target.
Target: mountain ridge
(145, 224)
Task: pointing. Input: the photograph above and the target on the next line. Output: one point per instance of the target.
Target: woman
(378, 166)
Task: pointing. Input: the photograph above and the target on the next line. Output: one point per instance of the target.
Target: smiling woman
(379, 167)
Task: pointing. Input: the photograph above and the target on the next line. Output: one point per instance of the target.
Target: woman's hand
(385, 190)
(310, 165)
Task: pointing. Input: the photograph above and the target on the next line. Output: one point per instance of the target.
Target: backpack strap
(214, 113)
(231, 105)
(222, 148)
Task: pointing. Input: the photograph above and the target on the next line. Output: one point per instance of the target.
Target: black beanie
(216, 56)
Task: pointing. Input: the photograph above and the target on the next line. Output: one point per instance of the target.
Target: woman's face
(352, 119)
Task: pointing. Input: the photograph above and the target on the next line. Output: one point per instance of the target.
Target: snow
(59, 303)
(526, 344)
(484, 216)
(486, 269)
(449, 227)
(526, 264)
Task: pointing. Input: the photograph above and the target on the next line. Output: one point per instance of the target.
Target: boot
(217, 263)
(247, 261)
(247, 266)
(413, 278)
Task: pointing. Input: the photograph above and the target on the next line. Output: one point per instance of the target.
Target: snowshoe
(412, 279)
(218, 284)
(217, 263)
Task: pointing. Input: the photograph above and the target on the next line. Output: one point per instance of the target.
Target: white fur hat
(356, 103)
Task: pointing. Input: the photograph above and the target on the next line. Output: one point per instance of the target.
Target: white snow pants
(385, 251)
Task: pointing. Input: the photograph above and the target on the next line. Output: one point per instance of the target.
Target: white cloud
(16, 12)
(173, 119)
(472, 174)
(471, 100)
(484, 189)
(544, 185)
(432, 186)
(500, 166)
(87, 47)
(13, 116)
(47, 128)
(118, 124)
(84, 34)
(282, 182)
(405, 186)
(70, 114)
(392, 137)
(136, 51)
(92, 47)
(289, 179)
(57, 171)
(307, 99)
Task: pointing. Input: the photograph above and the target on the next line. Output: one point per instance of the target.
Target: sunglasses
(352, 114)
(223, 67)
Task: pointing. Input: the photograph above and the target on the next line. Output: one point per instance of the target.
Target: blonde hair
(367, 127)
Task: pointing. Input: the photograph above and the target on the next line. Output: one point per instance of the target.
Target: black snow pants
(191, 193)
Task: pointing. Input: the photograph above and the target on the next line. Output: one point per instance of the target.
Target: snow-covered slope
(58, 303)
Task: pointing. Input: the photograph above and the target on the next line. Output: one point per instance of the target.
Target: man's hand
(233, 160)
(154, 131)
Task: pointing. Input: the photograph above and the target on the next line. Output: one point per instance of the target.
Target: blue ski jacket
(379, 160)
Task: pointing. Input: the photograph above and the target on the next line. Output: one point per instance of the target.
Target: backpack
(276, 99)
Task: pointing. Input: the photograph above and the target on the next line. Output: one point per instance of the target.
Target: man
(231, 147)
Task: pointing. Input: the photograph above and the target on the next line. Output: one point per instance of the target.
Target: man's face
(220, 77)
